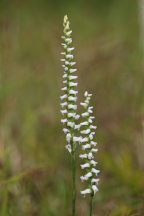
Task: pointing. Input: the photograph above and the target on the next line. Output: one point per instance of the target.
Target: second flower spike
(88, 148)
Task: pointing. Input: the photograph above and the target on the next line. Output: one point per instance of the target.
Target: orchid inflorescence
(69, 106)
(88, 147)
(70, 117)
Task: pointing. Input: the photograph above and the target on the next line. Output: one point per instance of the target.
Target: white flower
(70, 115)
(95, 189)
(94, 163)
(95, 180)
(72, 84)
(95, 171)
(73, 70)
(92, 127)
(86, 146)
(85, 139)
(83, 156)
(63, 97)
(85, 131)
(71, 98)
(90, 156)
(86, 165)
(64, 89)
(68, 147)
(71, 106)
(73, 92)
(77, 127)
(93, 143)
(70, 124)
(73, 77)
(85, 114)
(88, 175)
(68, 137)
(63, 104)
(65, 130)
(86, 191)
(94, 150)
(63, 121)
(64, 111)
(71, 48)
(84, 123)
(72, 63)
(76, 139)
(69, 56)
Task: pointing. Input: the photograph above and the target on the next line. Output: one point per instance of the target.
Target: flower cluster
(69, 98)
(89, 148)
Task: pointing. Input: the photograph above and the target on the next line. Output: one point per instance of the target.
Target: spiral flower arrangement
(69, 99)
(69, 106)
(70, 117)
(88, 147)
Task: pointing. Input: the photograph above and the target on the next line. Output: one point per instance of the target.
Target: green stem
(91, 205)
(74, 183)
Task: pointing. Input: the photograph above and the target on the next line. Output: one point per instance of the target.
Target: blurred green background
(35, 168)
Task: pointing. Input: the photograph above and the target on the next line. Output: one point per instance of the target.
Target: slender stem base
(91, 205)
(74, 183)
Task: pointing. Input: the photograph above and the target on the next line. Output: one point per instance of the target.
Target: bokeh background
(35, 168)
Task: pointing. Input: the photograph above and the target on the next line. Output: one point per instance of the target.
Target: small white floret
(63, 111)
(63, 104)
(95, 180)
(87, 146)
(63, 97)
(70, 115)
(93, 143)
(77, 117)
(73, 70)
(92, 127)
(70, 49)
(72, 84)
(77, 127)
(68, 147)
(90, 156)
(95, 189)
(73, 92)
(71, 98)
(86, 165)
(85, 139)
(65, 130)
(94, 150)
(71, 106)
(85, 131)
(73, 77)
(94, 163)
(84, 123)
(65, 75)
(72, 63)
(63, 121)
(76, 139)
(83, 156)
(68, 40)
(86, 94)
(84, 192)
(85, 114)
(70, 124)
(69, 56)
(68, 137)
(88, 175)
(64, 89)
(95, 171)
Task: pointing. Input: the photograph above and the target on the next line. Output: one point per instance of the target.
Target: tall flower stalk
(89, 148)
(68, 104)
